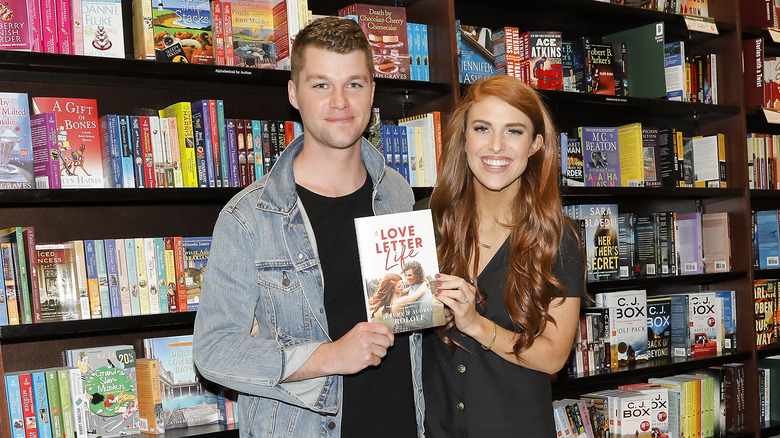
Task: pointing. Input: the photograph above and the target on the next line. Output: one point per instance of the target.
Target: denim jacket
(264, 264)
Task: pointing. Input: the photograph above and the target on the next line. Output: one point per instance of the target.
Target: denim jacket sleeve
(224, 350)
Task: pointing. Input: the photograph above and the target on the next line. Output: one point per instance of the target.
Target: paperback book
(196, 255)
(108, 375)
(59, 292)
(600, 227)
(601, 156)
(182, 31)
(16, 152)
(629, 324)
(398, 262)
(385, 28)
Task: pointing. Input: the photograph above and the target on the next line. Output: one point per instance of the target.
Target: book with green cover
(645, 59)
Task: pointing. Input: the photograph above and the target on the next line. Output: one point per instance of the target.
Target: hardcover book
(108, 376)
(600, 63)
(16, 151)
(196, 255)
(398, 261)
(182, 31)
(186, 400)
(57, 282)
(385, 28)
(601, 156)
(78, 139)
(103, 31)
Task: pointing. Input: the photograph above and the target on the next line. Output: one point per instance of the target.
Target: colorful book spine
(170, 273)
(147, 155)
(132, 276)
(112, 276)
(34, 21)
(162, 280)
(25, 295)
(201, 131)
(123, 277)
(46, 165)
(222, 138)
(143, 279)
(232, 152)
(28, 242)
(181, 285)
(257, 144)
(42, 410)
(14, 398)
(55, 404)
(28, 405)
(4, 317)
(149, 396)
(92, 279)
(158, 158)
(219, 36)
(167, 158)
(227, 28)
(111, 147)
(10, 283)
(65, 400)
(183, 113)
(136, 140)
(79, 402)
(126, 152)
(215, 145)
(102, 276)
(63, 30)
(150, 252)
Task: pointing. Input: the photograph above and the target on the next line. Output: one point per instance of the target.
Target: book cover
(600, 64)
(600, 240)
(397, 260)
(182, 31)
(196, 405)
(716, 242)
(659, 335)
(706, 323)
(767, 242)
(709, 161)
(645, 58)
(78, 139)
(385, 28)
(90, 257)
(150, 408)
(540, 59)
(601, 156)
(729, 319)
(253, 34)
(15, 34)
(16, 151)
(631, 153)
(651, 157)
(14, 399)
(674, 71)
(103, 30)
(46, 159)
(196, 254)
(689, 243)
(765, 301)
(108, 376)
(475, 52)
(630, 329)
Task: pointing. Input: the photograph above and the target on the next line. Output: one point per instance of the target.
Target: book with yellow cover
(182, 112)
(631, 153)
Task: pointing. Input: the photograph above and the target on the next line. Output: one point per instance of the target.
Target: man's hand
(363, 346)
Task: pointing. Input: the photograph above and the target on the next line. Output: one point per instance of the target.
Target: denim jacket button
(286, 282)
(300, 256)
(322, 311)
(331, 425)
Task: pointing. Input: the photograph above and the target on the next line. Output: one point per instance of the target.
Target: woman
(382, 301)
(516, 269)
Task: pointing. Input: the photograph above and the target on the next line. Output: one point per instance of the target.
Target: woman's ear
(536, 145)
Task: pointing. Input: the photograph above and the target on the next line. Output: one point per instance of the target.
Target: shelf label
(701, 24)
(772, 115)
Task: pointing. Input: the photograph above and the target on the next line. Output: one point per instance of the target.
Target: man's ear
(291, 94)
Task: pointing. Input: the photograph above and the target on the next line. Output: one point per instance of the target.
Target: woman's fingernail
(438, 276)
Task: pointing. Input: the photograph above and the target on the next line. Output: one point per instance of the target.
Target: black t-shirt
(378, 400)
(476, 393)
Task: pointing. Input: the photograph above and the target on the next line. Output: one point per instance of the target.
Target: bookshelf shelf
(679, 282)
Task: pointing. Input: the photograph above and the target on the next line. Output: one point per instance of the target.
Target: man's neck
(329, 172)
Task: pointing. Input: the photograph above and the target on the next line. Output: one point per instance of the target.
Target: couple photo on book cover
(398, 261)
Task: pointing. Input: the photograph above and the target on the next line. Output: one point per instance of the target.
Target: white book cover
(634, 416)
(398, 262)
(151, 275)
(705, 159)
(705, 311)
(629, 332)
(102, 28)
(674, 70)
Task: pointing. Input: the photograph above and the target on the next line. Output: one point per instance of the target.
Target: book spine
(227, 29)
(14, 398)
(64, 36)
(146, 152)
(170, 273)
(222, 138)
(149, 396)
(11, 287)
(232, 151)
(167, 158)
(28, 405)
(138, 151)
(122, 274)
(4, 317)
(143, 279)
(257, 145)
(111, 149)
(215, 142)
(219, 38)
(150, 253)
(158, 158)
(55, 405)
(173, 131)
(46, 166)
(34, 23)
(162, 280)
(79, 402)
(243, 178)
(67, 406)
(126, 152)
(23, 295)
(181, 285)
(42, 410)
(28, 239)
(102, 277)
(112, 274)
(183, 114)
(92, 279)
(132, 276)
(202, 137)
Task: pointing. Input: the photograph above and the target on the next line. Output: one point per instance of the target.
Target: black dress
(476, 393)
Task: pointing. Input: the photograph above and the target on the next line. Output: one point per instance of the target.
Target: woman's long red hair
(536, 218)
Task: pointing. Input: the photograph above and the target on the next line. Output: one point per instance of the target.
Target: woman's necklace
(490, 246)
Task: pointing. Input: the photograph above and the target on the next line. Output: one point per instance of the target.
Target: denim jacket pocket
(285, 304)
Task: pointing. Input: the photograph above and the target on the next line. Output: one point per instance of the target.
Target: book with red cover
(753, 58)
(398, 262)
(78, 139)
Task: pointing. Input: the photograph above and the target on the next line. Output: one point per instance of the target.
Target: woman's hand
(460, 298)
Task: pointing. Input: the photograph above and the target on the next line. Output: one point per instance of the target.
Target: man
(284, 256)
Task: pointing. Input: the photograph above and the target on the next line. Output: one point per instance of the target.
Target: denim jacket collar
(279, 194)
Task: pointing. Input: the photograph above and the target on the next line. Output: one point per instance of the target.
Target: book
(631, 153)
(46, 161)
(41, 399)
(55, 403)
(600, 68)
(765, 302)
(391, 247)
(103, 30)
(659, 335)
(475, 52)
(12, 241)
(27, 239)
(198, 405)
(182, 112)
(651, 157)
(253, 34)
(10, 282)
(767, 242)
(109, 379)
(66, 404)
(627, 255)
(16, 151)
(78, 139)
(162, 276)
(182, 31)
(14, 400)
(674, 71)
(645, 58)
(95, 305)
(196, 254)
(28, 405)
(716, 242)
(629, 325)
(540, 59)
(729, 319)
(706, 323)
(149, 396)
(385, 28)
(600, 238)
(15, 33)
(143, 33)
(709, 161)
(601, 156)
(111, 145)
(689, 243)
(150, 264)
(123, 273)
(180, 267)
(112, 278)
